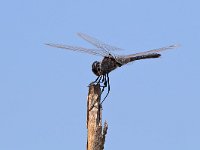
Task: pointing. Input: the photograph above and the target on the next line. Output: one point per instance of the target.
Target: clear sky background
(153, 104)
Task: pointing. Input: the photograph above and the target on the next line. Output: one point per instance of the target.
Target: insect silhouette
(110, 60)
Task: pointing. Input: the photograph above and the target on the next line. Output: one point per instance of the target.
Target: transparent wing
(158, 50)
(79, 49)
(124, 59)
(97, 43)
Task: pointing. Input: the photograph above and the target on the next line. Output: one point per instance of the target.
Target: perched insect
(110, 61)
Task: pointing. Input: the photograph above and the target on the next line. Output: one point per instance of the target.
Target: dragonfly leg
(103, 80)
(98, 79)
(106, 83)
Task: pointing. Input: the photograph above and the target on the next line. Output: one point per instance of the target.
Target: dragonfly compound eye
(96, 69)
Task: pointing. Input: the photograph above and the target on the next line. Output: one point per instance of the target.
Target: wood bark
(95, 133)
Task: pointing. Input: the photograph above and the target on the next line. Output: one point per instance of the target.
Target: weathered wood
(95, 136)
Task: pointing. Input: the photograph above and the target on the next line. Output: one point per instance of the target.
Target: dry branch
(95, 136)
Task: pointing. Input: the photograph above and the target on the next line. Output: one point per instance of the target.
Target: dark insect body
(110, 61)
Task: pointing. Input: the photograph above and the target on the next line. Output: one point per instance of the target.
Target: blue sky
(153, 104)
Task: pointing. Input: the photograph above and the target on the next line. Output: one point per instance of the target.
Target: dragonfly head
(96, 68)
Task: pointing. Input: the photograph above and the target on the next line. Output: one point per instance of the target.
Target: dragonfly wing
(79, 49)
(98, 43)
(128, 58)
(158, 50)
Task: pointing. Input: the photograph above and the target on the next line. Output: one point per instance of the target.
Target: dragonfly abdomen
(147, 56)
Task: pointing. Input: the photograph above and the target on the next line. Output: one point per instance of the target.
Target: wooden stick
(95, 136)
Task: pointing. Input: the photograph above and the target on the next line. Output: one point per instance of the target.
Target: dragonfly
(110, 60)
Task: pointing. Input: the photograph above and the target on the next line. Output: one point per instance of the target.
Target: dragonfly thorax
(96, 68)
(105, 66)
